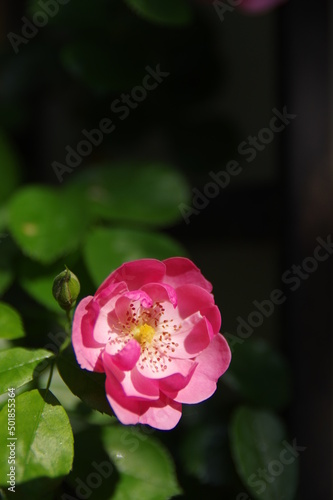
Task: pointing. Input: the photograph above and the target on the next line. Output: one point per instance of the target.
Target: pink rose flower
(153, 328)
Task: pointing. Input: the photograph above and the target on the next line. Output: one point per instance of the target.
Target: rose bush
(153, 328)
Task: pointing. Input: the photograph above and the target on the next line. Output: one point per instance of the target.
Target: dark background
(225, 80)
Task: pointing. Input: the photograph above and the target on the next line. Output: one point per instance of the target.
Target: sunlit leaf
(19, 366)
(43, 445)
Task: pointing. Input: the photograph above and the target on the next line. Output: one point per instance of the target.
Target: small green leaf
(264, 459)
(145, 467)
(172, 12)
(133, 192)
(88, 386)
(19, 366)
(11, 326)
(45, 224)
(260, 375)
(107, 249)
(44, 444)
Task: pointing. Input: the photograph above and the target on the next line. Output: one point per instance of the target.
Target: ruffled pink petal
(170, 386)
(162, 367)
(212, 363)
(125, 359)
(257, 6)
(213, 315)
(192, 298)
(102, 327)
(163, 414)
(133, 384)
(136, 274)
(127, 410)
(160, 292)
(194, 336)
(87, 349)
(182, 271)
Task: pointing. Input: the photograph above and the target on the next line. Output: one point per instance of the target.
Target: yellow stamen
(143, 334)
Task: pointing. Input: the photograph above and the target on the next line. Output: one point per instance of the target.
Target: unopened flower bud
(66, 288)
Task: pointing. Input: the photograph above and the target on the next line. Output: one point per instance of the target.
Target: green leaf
(258, 441)
(88, 386)
(45, 223)
(44, 445)
(260, 375)
(107, 249)
(172, 12)
(134, 192)
(11, 326)
(9, 169)
(19, 366)
(145, 467)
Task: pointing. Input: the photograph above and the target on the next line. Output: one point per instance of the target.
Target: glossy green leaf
(266, 462)
(144, 465)
(19, 366)
(260, 375)
(9, 169)
(173, 12)
(88, 386)
(45, 223)
(107, 249)
(136, 192)
(44, 444)
(11, 326)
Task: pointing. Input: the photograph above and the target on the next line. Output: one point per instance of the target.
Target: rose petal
(212, 363)
(192, 298)
(136, 274)
(163, 414)
(163, 367)
(87, 349)
(159, 292)
(125, 359)
(193, 337)
(182, 271)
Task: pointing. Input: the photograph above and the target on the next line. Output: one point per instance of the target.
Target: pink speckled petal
(212, 363)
